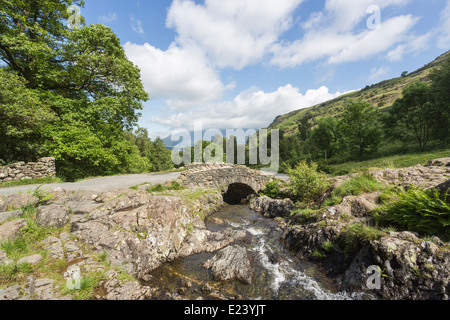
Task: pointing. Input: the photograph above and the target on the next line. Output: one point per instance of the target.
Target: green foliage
(415, 209)
(440, 92)
(362, 183)
(306, 182)
(411, 117)
(360, 128)
(42, 195)
(174, 185)
(272, 190)
(328, 246)
(16, 183)
(66, 93)
(326, 138)
(358, 235)
(22, 117)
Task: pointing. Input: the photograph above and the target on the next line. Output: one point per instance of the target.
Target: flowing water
(279, 274)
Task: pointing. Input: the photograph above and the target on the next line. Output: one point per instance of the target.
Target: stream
(279, 274)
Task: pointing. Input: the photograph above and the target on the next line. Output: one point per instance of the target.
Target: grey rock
(10, 293)
(33, 259)
(52, 216)
(54, 246)
(17, 201)
(11, 230)
(230, 263)
(10, 214)
(272, 208)
(115, 290)
(4, 258)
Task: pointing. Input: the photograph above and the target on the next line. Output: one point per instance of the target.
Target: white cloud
(334, 34)
(444, 28)
(251, 109)
(180, 76)
(231, 33)
(370, 43)
(414, 45)
(109, 18)
(378, 73)
(136, 25)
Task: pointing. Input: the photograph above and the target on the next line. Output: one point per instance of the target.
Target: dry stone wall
(44, 167)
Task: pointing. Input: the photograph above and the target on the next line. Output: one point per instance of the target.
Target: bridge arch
(236, 181)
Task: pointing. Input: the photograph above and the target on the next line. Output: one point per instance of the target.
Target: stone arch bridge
(237, 182)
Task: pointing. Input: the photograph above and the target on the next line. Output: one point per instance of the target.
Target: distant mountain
(381, 95)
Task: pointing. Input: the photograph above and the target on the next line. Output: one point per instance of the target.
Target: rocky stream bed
(188, 244)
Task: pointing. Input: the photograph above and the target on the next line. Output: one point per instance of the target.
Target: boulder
(411, 269)
(11, 230)
(33, 259)
(272, 208)
(140, 231)
(17, 201)
(441, 162)
(53, 215)
(10, 214)
(232, 262)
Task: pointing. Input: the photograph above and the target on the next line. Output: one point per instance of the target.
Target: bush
(423, 211)
(272, 190)
(306, 182)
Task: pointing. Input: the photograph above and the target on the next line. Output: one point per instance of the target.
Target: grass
(363, 183)
(174, 185)
(402, 160)
(25, 182)
(358, 235)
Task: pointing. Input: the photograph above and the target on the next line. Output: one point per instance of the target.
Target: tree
(360, 128)
(326, 138)
(22, 117)
(412, 115)
(82, 77)
(440, 95)
(304, 128)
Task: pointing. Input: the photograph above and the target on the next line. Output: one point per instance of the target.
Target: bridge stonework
(222, 175)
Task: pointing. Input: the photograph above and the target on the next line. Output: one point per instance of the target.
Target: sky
(230, 64)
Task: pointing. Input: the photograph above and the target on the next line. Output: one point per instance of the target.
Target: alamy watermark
(73, 278)
(74, 21)
(254, 147)
(374, 280)
(374, 21)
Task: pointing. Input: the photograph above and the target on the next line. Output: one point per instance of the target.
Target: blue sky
(240, 63)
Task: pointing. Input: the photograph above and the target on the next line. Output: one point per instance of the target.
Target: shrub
(272, 190)
(306, 182)
(418, 210)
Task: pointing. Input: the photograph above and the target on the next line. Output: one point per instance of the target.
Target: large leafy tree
(82, 77)
(325, 139)
(412, 116)
(23, 116)
(360, 128)
(440, 91)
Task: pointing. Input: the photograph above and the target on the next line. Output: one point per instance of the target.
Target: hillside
(381, 95)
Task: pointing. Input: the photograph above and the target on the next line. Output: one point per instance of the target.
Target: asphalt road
(109, 183)
(100, 184)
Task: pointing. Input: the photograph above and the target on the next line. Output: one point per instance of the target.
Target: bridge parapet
(222, 175)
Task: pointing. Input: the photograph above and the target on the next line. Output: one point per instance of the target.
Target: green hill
(381, 95)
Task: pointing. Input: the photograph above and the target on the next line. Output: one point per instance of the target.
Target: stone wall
(44, 167)
(221, 175)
